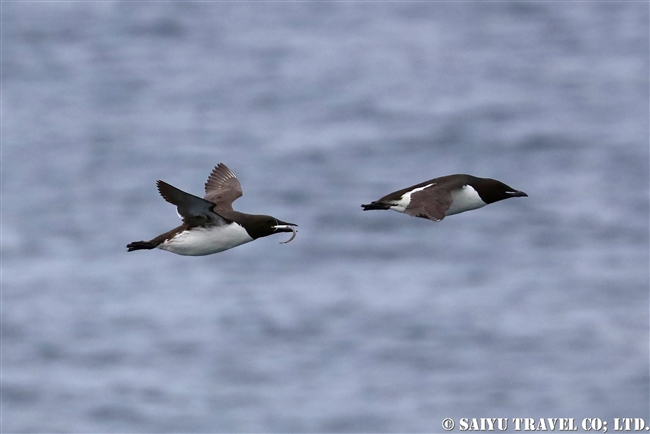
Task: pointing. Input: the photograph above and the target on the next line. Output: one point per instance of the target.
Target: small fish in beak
(286, 227)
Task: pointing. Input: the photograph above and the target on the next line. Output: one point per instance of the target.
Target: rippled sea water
(367, 321)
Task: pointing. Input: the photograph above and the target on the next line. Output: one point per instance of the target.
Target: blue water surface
(367, 321)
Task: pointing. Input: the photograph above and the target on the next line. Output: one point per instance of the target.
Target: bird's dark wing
(431, 203)
(193, 210)
(222, 187)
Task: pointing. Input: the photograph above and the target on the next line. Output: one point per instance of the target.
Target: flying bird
(440, 197)
(210, 225)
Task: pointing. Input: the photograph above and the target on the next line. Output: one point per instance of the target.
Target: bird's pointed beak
(281, 226)
(518, 194)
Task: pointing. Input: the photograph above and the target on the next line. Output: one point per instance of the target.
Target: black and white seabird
(437, 198)
(210, 225)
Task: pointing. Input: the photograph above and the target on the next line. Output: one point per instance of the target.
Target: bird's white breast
(206, 241)
(464, 199)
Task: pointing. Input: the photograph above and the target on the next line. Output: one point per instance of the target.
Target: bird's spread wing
(222, 187)
(431, 203)
(193, 210)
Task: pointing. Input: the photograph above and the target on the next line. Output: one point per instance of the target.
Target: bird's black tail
(140, 245)
(375, 205)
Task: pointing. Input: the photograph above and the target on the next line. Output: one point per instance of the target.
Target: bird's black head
(492, 191)
(259, 226)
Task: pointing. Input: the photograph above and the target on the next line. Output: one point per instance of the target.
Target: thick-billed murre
(210, 225)
(440, 197)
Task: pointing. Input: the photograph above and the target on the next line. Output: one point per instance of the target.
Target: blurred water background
(366, 322)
